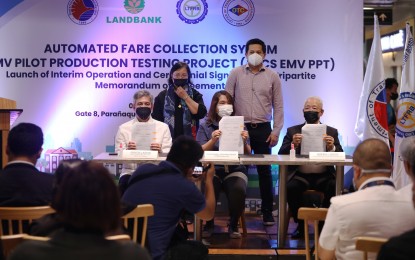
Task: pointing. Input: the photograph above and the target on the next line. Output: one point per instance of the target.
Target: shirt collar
(374, 179)
(248, 68)
(151, 120)
(15, 162)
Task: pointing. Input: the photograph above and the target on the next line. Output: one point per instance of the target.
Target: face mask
(394, 96)
(311, 117)
(225, 110)
(254, 59)
(143, 112)
(180, 82)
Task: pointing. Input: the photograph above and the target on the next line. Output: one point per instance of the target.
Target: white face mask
(255, 59)
(225, 110)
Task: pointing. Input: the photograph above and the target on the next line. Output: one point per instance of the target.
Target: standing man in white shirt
(143, 105)
(256, 91)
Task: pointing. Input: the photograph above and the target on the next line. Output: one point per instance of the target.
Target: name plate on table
(221, 156)
(139, 154)
(327, 156)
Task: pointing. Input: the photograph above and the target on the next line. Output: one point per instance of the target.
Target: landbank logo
(238, 12)
(134, 7)
(192, 11)
(376, 110)
(82, 11)
(405, 120)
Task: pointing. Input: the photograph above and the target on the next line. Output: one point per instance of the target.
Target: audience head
(25, 142)
(88, 199)
(64, 167)
(221, 105)
(185, 153)
(391, 85)
(371, 158)
(143, 104)
(180, 75)
(313, 110)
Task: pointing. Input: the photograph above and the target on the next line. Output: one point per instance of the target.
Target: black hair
(255, 41)
(185, 152)
(178, 65)
(389, 82)
(88, 199)
(25, 139)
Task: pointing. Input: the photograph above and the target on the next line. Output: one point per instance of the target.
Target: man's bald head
(372, 154)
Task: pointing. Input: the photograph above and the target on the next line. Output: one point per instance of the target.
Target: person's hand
(181, 93)
(215, 135)
(297, 140)
(131, 145)
(245, 136)
(272, 139)
(210, 172)
(329, 142)
(155, 147)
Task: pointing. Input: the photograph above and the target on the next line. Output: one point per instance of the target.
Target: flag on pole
(405, 111)
(372, 119)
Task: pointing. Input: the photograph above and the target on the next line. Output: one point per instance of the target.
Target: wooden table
(267, 159)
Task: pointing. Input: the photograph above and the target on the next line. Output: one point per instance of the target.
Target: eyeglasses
(180, 76)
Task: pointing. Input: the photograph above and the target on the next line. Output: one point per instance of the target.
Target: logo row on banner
(235, 12)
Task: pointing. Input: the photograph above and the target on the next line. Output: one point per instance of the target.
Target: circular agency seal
(405, 115)
(192, 11)
(134, 6)
(82, 11)
(238, 12)
(376, 102)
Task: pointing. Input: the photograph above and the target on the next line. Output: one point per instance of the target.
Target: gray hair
(315, 98)
(143, 93)
(407, 150)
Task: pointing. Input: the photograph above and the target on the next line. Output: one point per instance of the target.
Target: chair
(122, 237)
(142, 211)
(369, 244)
(10, 215)
(9, 242)
(308, 194)
(315, 215)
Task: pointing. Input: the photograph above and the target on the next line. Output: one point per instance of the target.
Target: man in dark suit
(21, 184)
(305, 177)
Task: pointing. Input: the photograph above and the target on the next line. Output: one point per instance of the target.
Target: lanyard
(377, 183)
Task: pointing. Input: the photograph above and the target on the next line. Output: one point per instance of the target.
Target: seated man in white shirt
(143, 105)
(375, 209)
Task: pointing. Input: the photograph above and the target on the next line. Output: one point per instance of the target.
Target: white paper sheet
(231, 139)
(312, 140)
(143, 134)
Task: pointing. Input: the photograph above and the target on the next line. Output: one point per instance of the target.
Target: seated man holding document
(217, 133)
(141, 133)
(311, 136)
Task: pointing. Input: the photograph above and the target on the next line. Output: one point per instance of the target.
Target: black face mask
(311, 116)
(180, 82)
(143, 112)
(394, 96)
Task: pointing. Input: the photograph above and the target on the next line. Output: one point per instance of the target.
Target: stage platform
(260, 242)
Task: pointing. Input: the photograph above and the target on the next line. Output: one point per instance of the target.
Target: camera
(200, 169)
